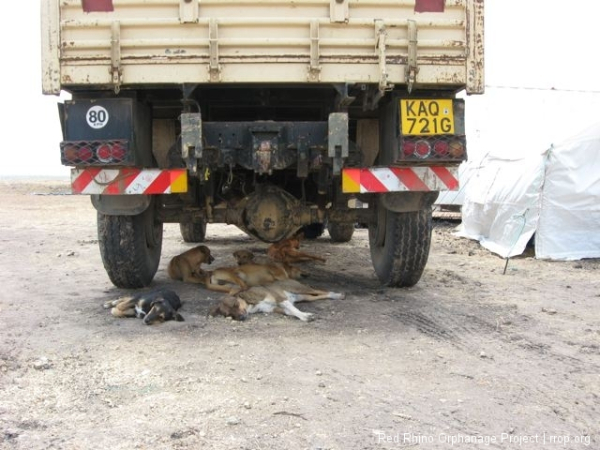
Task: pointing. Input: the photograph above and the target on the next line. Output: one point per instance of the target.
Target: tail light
(72, 154)
(104, 153)
(422, 149)
(96, 153)
(433, 148)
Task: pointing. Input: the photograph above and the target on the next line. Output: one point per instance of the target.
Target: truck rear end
(275, 116)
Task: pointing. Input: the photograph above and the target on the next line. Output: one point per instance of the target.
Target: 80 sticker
(97, 117)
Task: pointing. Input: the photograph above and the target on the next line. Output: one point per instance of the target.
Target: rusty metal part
(235, 215)
(412, 69)
(262, 156)
(263, 146)
(269, 214)
(115, 56)
(191, 135)
(191, 140)
(338, 140)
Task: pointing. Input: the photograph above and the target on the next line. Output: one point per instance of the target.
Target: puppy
(236, 279)
(186, 267)
(287, 251)
(278, 297)
(158, 305)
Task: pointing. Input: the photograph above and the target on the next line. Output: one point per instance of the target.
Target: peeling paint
(177, 50)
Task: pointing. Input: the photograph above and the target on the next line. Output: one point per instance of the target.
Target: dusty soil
(469, 358)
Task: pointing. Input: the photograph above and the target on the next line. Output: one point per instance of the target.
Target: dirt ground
(469, 358)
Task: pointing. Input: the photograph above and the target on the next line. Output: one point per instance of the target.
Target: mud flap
(121, 205)
(408, 201)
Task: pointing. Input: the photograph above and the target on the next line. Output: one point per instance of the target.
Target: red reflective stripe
(410, 179)
(122, 181)
(84, 179)
(429, 6)
(446, 176)
(370, 183)
(97, 5)
(160, 185)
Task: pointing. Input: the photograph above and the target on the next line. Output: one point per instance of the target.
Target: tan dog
(186, 267)
(278, 297)
(287, 251)
(247, 257)
(235, 279)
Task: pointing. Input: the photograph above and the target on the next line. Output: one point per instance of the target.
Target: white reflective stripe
(438, 182)
(429, 178)
(389, 179)
(100, 181)
(141, 182)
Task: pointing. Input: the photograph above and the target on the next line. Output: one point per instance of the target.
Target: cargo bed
(157, 42)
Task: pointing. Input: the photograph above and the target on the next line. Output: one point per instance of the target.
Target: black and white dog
(157, 305)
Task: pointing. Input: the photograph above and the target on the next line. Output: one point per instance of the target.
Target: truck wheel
(340, 232)
(130, 247)
(399, 245)
(193, 232)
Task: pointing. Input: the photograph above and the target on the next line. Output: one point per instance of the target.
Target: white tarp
(555, 195)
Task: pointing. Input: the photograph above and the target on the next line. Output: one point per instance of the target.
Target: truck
(277, 116)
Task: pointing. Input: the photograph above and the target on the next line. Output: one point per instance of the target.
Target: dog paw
(308, 317)
(107, 305)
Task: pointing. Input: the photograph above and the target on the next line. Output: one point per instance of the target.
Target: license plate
(426, 117)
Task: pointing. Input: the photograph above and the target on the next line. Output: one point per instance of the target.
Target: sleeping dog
(278, 297)
(157, 305)
(239, 278)
(288, 251)
(247, 257)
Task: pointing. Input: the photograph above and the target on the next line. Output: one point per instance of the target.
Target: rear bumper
(398, 179)
(128, 181)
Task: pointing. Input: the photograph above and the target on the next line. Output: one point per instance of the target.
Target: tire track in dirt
(468, 332)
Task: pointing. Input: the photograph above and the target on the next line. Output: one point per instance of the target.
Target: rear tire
(340, 232)
(193, 231)
(399, 250)
(130, 247)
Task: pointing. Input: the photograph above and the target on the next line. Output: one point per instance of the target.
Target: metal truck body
(276, 116)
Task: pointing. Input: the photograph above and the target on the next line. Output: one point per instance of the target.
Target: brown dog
(186, 267)
(247, 257)
(287, 251)
(235, 279)
(278, 297)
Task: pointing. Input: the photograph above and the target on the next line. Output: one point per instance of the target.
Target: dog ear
(215, 310)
